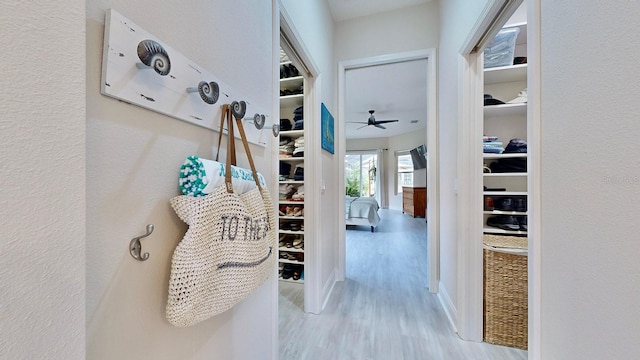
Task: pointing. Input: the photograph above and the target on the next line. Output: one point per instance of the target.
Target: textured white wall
(590, 179)
(457, 17)
(42, 167)
(134, 157)
(411, 28)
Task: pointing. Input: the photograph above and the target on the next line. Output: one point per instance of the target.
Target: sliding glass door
(360, 174)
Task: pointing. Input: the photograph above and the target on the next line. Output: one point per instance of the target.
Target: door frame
(431, 136)
(469, 321)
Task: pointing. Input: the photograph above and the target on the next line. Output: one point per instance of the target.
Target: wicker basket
(505, 291)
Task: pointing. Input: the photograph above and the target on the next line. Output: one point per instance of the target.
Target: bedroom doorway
(383, 112)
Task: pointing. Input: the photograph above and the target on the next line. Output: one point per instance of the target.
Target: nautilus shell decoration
(238, 108)
(209, 92)
(152, 54)
(258, 121)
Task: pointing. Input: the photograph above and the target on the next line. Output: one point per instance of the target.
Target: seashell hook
(209, 91)
(153, 56)
(259, 122)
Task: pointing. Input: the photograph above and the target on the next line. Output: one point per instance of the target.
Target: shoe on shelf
(520, 205)
(504, 204)
(296, 272)
(287, 271)
(522, 221)
(285, 225)
(297, 242)
(297, 211)
(504, 222)
(282, 210)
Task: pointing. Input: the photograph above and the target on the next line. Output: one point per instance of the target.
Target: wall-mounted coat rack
(139, 69)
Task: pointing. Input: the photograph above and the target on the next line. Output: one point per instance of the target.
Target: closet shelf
(504, 232)
(505, 110)
(292, 232)
(295, 81)
(300, 182)
(504, 156)
(291, 280)
(291, 158)
(289, 250)
(500, 212)
(291, 217)
(504, 74)
(285, 202)
(512, 174)
(291, 133)
(505, 193)
(291, 261)
(291, 100)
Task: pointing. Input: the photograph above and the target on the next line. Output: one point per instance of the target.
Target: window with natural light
(360, 174)
(404, 168)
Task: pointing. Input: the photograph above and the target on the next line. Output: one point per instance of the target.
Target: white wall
(457, 17)
(411, 28)
(42, 157)
(134, 157)
(590, 180)
(312, 20)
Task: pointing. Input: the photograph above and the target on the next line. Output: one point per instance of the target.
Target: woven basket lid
(503, 241)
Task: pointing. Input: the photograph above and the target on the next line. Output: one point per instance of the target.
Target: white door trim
(469, 321)
(433, 187)
(312, 281)
(534, 135)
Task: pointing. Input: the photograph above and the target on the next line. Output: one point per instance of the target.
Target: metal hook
(259, 122)
(135, 248)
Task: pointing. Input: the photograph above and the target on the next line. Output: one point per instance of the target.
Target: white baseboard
(448, 307)
(327, 289)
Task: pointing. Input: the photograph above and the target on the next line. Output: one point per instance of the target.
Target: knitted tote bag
(228, 250)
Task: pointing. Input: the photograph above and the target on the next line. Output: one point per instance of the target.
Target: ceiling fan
(372, 121)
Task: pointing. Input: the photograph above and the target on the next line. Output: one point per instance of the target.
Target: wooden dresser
(414, 201)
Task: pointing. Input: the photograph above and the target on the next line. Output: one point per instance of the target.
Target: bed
(362, 211)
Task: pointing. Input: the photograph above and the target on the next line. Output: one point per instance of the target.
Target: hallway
(383, 310)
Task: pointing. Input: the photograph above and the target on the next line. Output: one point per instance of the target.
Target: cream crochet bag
(228, 250)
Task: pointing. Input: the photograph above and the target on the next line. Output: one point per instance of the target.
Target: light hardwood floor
(383, 310)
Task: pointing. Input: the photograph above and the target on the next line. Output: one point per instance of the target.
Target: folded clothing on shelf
(299, 125)
(285, 125)
(298, 173)
(285, 169)
(516, 146)
(493, 147)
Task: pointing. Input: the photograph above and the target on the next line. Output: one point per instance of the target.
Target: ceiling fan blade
(358, 122)
(379, 126)
(362, 127)
(386, 121)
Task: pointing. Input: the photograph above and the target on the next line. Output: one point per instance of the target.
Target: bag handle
(225, 109)
(227, 115)
(248, 151)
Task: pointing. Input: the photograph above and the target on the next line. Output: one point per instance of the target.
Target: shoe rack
(291, 158)
(505, 192)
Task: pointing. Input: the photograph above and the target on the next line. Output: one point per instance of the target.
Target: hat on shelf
(490, 100)
(521, 98)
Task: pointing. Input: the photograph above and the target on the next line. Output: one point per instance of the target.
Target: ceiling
(394, 91)
(349, 9)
